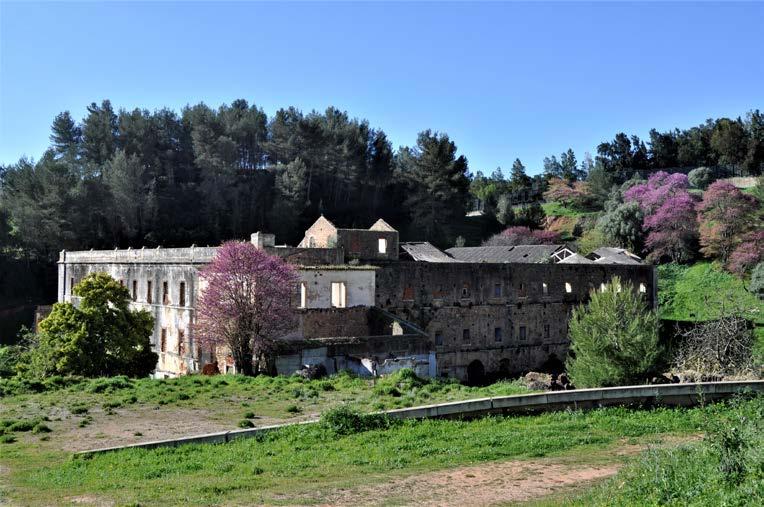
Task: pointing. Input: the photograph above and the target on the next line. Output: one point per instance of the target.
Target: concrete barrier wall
(651, 395)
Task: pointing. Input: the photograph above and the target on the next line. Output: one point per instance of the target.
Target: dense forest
(141, 178)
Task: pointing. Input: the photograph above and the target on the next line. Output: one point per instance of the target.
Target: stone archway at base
(475, 373)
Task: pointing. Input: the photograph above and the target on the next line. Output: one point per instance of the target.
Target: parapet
(188, 255)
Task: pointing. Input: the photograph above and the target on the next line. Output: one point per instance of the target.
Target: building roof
(530, 254)
(423, 251)
(576, 259)
(381, 225)
(612, 255)
(338, 267)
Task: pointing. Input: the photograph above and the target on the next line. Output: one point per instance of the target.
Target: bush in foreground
(344, 420)
(614, 338)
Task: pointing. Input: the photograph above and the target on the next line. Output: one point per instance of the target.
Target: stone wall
(511, 318)
(322, 234)
(359, 285)
(363, 244)
(333, 322)
(308, 256)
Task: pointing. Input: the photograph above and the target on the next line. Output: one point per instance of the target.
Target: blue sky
(504, 80)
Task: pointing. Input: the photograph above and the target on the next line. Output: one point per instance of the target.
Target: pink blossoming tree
(747, 254)
(575, 194)
(669, 212)
(725, 215)
(245, 304)
(673, 230)
(521, 235)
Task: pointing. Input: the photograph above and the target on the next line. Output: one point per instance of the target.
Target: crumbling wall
(461, 306)
(322, 234)
(362, 356)
(359, 285)
(363, 244)
(334, 322)
(308, 256)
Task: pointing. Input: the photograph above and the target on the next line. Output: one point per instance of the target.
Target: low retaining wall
(668, 395)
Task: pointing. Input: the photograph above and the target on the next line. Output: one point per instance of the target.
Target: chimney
(263, 240)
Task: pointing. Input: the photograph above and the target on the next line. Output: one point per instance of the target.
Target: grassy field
(279, 397)
(307, 464)
(726, 467)
(85, 414)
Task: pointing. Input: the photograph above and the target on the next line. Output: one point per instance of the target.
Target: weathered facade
(369, 304)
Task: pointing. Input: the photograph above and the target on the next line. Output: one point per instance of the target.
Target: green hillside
(702, 291)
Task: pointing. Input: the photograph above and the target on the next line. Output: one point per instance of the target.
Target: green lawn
(725, 468)
(557, 209)
(277, 397)
(700, 291)
(304, 464)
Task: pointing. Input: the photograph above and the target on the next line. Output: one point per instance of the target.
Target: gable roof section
(576, 259)
(322, 220)
(422, 251)
(612, 255)
(527, 254)
(381, 225)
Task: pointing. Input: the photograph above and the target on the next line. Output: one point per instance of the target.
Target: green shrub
(78, 410)
(7, 439)
(22, 425)
(387, 390)
(249, 415)
(246, 423)
(757, 280)
(701, 177)
(41, 428)
(112, 404)
(344, 420)
(614, 338)
(9, 358)
(107, 385)
(293, 409)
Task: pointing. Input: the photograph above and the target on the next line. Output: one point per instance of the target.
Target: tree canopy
(100, 336)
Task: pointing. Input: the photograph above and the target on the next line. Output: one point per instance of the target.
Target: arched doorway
(553, 364)
(475, 373)
(504, 368)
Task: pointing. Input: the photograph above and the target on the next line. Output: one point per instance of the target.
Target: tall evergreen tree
(99, 134)
(437, 184)
(65, 136)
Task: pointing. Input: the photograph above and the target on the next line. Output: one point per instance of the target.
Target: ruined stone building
(367, 303)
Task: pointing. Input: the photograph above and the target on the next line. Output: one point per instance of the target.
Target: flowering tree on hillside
(747, 254)
(245, 304)
(658, 188)
(521, 235)
(669, 215)
(725, 214)
(574, 194)
(673, 230)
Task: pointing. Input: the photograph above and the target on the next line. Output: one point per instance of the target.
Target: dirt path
(143, 424)
(481, 485)
(494, 483)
